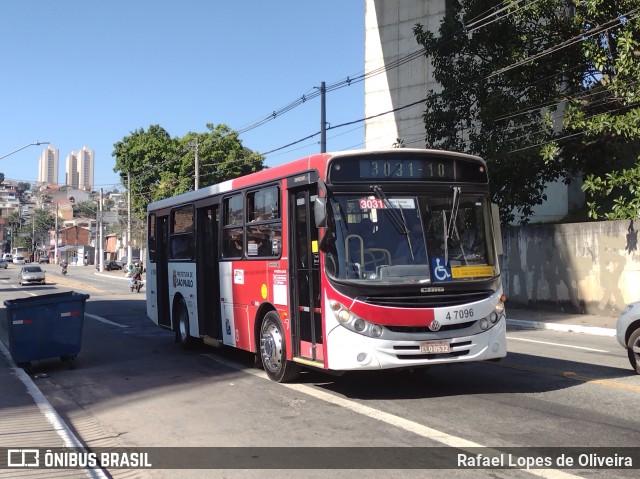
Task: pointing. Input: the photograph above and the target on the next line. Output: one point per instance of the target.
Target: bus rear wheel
(273, 350)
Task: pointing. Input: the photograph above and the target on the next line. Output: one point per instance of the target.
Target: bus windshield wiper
(454, 210)
(452, 221)
(398, 220)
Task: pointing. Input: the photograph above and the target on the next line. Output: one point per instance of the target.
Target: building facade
(48, 166)
(79, 169)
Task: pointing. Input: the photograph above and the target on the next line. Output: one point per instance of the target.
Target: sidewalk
(575, 323)
(28, 420)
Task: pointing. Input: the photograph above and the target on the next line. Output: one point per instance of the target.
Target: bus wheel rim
(271, 344)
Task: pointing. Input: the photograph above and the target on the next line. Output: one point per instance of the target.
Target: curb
(567, 328)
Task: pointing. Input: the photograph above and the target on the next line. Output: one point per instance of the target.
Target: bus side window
(232, 246)
(181, 247)
(264, 228)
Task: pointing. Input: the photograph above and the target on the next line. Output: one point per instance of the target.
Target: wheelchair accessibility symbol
(440, 271)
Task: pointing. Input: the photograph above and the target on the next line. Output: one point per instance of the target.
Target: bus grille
(425, 329)
(432, 300)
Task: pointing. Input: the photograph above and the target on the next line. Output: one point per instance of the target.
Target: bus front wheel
(183, 335)
(273, 350)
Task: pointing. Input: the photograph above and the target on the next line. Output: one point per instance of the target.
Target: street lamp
(25, 146)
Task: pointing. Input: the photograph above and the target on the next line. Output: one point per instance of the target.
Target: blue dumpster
(45, 326)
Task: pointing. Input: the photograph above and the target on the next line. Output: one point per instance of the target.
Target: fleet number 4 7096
(460, 314)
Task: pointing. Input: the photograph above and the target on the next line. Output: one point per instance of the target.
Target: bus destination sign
(396, 168)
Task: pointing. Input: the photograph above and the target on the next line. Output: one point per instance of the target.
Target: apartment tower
(79, 169)
(48, 166)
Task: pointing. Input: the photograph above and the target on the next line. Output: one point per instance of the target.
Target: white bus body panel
(151, 288)
(182, 281)
(227, 279)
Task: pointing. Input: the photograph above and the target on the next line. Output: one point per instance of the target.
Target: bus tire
(182, 331)
(273, 350)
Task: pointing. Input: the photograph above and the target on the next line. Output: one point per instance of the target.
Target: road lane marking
(610, 383)
(558, 344)
(391, 419)
(106, 321)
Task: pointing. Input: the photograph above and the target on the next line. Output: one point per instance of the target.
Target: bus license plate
(435, 348)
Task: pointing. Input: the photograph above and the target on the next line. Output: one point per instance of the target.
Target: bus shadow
(513, 375)
(126, 353)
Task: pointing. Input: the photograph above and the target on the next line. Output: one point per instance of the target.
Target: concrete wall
(582, 267)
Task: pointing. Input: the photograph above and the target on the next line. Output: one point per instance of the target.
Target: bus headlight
(493, 317)
(353, 322)
(484, 324)
(376, 330)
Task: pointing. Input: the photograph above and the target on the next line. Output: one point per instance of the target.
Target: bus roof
(316, 161)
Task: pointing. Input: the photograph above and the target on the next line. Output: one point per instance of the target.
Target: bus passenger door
(304, 260)
(207, 272)
(162, 275)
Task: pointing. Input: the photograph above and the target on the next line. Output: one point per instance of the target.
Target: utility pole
(323, 119)
(55, 253)
(100, 246)
(128, 218)
(196, 149)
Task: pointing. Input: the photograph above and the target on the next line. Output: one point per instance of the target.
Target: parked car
(109, 266)
(31, 274)
(19, 260)
(3, 263)
(628, 333)
(43, 259)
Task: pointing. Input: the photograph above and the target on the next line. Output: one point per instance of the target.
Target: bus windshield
(409, 239)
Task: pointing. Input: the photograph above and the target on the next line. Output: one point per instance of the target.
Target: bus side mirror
(320, 211)
(497, 230)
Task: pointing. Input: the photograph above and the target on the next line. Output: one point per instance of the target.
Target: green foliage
(86, 209)
(608, 114)
(162, 166)
(492, 90)
(509, 80)
(23, 186)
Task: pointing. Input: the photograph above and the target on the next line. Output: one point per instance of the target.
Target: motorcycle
(64, 268)
(136, 284)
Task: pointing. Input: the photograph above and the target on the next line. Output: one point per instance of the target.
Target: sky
(88, 73)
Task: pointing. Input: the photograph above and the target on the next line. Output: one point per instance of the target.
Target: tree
(542, 90)
(495, 101)
(608, 115)
(23, 186)
(86, 209)
(161, 166)
(43, 222)
(142, 157)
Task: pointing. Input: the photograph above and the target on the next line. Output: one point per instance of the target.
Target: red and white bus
(358, 260)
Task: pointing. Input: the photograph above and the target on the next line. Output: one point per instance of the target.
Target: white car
(31, 274)
(19, 260)
(628, 333)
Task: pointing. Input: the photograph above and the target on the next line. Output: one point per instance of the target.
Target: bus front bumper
(351, 351)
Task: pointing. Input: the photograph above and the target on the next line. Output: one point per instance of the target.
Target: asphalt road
(134, 386)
